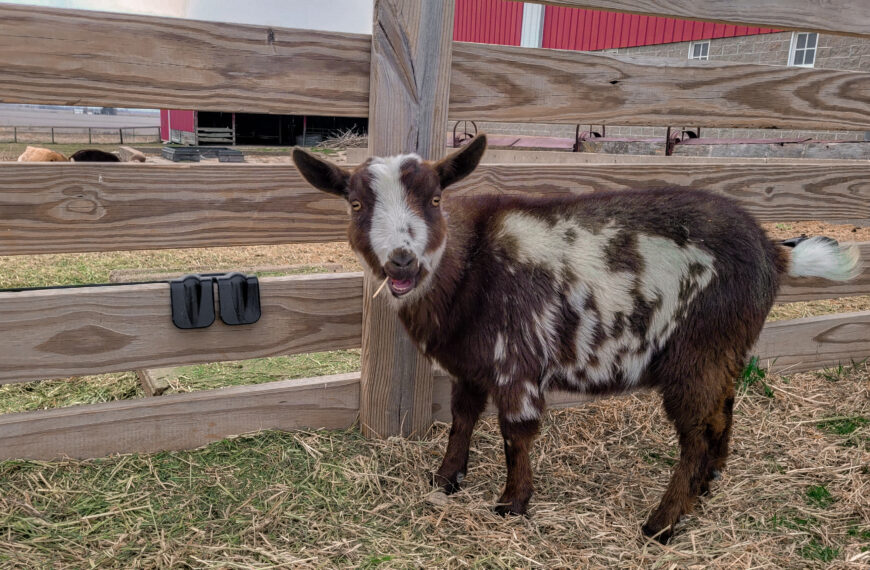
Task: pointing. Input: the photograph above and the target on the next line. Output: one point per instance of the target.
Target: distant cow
(37, 154)
(94, 155)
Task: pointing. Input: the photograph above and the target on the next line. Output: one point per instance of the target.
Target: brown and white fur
(600, 293)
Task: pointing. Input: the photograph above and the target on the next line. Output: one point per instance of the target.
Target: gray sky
(354, 16)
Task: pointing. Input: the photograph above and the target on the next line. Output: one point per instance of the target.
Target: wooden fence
(408, 78)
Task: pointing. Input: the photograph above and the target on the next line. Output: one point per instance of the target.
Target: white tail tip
(823, 257)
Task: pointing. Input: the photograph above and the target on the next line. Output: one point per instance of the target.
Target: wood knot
(78, 205)
(89, 339)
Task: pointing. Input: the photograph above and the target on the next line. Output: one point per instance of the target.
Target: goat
(599, 293)
(93, 155)
(39, 154)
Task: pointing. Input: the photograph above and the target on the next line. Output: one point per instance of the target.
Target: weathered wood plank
(814, 342)
(64, 208)
(153, 380)
(771, 191)
(847, 17)
(410, 85)
(504, 83)
(180, 421)
(55, 333)
(72, 57)
(81, 207)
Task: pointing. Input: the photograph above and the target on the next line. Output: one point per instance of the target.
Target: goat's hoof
(715, 475)
(449, 485)
(510, 508)
(661, 535)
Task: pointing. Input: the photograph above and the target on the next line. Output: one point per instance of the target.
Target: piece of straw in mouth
(378, 292)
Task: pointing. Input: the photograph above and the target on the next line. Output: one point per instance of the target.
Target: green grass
(817, 551)
(47, 394)
(809, 526)
(275, 487)
(835, 374)
(260, 370)
(819, 496)
(753, 378)
(844, 425)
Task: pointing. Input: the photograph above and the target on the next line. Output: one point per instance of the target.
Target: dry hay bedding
(794, 495)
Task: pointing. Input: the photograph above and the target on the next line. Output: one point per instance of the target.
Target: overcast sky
(354, 16)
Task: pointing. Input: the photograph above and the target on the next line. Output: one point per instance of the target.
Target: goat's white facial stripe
(394, 224)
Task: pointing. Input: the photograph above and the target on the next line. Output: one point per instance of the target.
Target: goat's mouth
(403, 284)
(399, 287)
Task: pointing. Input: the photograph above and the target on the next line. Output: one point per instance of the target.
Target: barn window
(803, 49)
(699, 50)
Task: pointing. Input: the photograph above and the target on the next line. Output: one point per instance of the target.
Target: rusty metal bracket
(673, 138)
(581, 137)
(458, 138)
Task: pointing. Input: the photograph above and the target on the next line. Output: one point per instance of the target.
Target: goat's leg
(466, 403)
(685, 484)
(718, 433)
(699, 406)
(518, 439)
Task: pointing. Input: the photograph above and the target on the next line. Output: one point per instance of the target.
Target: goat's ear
(320, 173)
(461, 163)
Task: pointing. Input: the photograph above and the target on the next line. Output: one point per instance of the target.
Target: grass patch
(48, 394)
(843, 426)
(818, 551)
(792, 521)
(260, 370)
(819, 496)
(753, 378)
(88, 268)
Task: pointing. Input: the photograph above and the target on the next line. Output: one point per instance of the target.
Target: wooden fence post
(410, 84)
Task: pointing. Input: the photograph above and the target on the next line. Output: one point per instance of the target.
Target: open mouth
(399, 287)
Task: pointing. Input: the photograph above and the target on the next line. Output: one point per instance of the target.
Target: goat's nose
(402, 258)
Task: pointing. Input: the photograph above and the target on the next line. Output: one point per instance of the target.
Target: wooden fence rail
(408, 78)
(512, 84)
(185, 421)
(180, 421)
(75, 331)
(94, 330)
(232, 67)
(63, 208)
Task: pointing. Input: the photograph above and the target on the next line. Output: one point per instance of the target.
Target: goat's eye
(436, 201)
(356, 205)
